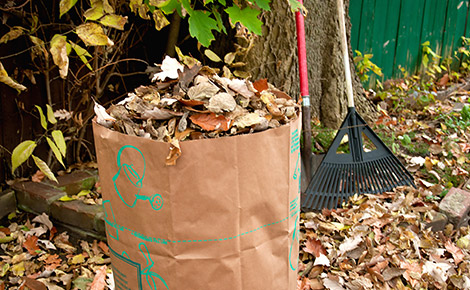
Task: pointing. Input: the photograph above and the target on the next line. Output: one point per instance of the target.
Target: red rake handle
(303, 74)
(302, 54)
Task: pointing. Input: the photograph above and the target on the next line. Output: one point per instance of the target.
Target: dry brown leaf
(211, 122)
(34, 284)
(62, 241)
(303, 284)
(31, 244)
(456, 252)
(240, 87)
(174, 154)
(280, 94)
(104, 247)
(202, 91)
(261, 85)
(160, 114)
(314, 247)
(183, 135)
(248, 120)
(191, 103)
(270, 101)
(222, 102)
(99, 282)
(38, 176)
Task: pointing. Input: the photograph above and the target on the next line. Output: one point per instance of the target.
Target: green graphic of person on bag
(131, 179)
(127, 174)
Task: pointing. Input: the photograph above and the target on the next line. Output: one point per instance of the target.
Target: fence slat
(355, 10)
(385, 35)
(366, 30)
(409, 36)
(455, 28)
(433, 26)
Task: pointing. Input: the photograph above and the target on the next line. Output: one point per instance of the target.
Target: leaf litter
(386, 241)
(189, 102)
(33, 255)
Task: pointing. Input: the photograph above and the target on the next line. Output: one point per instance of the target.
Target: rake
(341, 175)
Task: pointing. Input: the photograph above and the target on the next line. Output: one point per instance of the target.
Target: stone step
(43, 197)
(7, 203)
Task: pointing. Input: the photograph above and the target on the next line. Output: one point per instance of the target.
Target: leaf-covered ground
(373, 242)
(383, 241)
(35, 255)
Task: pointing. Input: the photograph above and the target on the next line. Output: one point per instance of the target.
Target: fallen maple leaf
(302, 284)
(455, 251)
(99, 282)
(314, 247)
(31, 244)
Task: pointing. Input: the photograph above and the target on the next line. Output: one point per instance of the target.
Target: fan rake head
(341, 175)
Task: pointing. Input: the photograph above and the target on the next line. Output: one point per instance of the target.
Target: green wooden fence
(393, 30)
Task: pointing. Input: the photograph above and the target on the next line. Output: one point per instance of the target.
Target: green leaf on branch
(55, 150)
(50, 115)
(21, 153)
(82, 54)
(170, 6)
(65, 6)
(4, 78)
(263, 4)
(44, 168)
(218, 18)
(60, 141)
(114, 21)
(59, 54)
(42, 117)
(201, 26)
(247, 16)
(93, 34)
(186, 4)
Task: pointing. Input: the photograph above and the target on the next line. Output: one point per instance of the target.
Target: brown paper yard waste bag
(225, 217)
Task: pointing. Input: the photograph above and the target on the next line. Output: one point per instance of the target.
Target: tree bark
(274, 56)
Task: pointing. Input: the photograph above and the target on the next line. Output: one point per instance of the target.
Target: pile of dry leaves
(34, 255)
(382, 242)
(192, 102)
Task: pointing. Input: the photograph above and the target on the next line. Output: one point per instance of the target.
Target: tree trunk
(274, 56)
